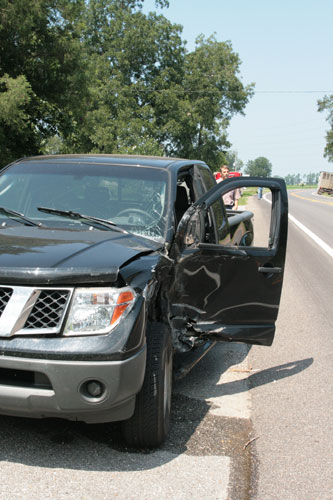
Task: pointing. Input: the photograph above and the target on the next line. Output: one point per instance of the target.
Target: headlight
(98, 310)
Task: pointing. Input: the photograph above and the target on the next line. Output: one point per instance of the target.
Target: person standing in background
(230, 199)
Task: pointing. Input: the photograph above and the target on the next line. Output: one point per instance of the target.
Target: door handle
(270, 270)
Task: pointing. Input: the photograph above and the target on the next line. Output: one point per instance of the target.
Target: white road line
(307, 231)
(315, 238)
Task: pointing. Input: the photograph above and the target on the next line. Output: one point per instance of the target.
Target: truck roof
(129, 160)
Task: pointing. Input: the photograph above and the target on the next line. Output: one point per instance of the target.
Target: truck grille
(32, 311)
(48, 309)
(5, 294)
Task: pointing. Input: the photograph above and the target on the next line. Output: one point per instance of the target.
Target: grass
(252, 191)
(249, 191)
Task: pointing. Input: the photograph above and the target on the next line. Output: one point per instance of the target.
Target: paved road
(278, 396)
(205, 456)
(314, 211)
(292, 391)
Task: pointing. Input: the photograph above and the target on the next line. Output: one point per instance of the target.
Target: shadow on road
(266, 376)
(55, 443)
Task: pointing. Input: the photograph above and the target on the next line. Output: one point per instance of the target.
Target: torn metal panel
(260, 335)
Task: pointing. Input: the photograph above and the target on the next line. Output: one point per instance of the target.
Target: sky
(286, 49)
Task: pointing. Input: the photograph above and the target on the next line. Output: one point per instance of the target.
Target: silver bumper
(65, 394)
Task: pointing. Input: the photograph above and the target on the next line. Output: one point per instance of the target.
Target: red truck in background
(235, 174)
(217, 175)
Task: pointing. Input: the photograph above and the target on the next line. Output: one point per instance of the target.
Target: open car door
(227, 283)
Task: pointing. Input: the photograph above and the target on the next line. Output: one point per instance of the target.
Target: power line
(134, 89)
(293, 91)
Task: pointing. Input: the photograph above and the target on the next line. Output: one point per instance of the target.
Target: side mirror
(190, 228)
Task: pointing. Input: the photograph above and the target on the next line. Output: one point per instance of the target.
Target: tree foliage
(233, 161)
(260, 167)
(102, 76)
(209, 95)
(326, 104)
(40, 51)
(297, 179)
(15, 130)
(134, 58)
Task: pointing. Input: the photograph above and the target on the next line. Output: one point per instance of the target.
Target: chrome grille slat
(48, 309)
(5, 294)
(32, 310)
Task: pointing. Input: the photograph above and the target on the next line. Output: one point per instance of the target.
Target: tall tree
(149, 95)
(260, 167)
(201, 106)
(326, 104)
(133, 58)
(102, 76)
(39, 45)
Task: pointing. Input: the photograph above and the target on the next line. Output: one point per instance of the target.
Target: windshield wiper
(85, 219)
(21, 217)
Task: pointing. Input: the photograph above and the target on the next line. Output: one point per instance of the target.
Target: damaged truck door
(225, 290)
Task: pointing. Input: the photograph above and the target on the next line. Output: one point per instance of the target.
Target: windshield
(134, 198)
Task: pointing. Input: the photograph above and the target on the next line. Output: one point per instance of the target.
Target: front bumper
(39, 388)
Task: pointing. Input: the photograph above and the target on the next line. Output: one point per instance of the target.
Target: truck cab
(110, 267)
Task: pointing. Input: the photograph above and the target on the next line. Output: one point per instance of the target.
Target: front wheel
(148, 427)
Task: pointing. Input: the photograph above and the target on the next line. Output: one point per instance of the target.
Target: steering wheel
(136, 211)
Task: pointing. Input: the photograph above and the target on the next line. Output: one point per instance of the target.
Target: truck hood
(31, 255)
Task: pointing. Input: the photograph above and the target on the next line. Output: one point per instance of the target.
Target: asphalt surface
(292, 390)
(314, 211)
(207, 453)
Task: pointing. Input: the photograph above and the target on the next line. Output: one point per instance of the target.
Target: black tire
(148, 427)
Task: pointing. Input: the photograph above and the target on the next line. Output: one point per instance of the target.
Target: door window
(254, 224)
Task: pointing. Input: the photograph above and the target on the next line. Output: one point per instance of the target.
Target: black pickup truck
(111, 268)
